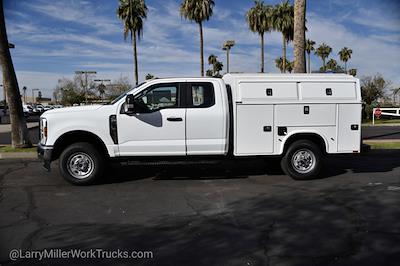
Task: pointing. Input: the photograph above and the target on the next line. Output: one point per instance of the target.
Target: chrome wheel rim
(80, 165)
(303, 161)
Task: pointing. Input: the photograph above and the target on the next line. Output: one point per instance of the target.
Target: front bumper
(44, 154)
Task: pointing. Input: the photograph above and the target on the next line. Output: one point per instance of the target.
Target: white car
(298, 117)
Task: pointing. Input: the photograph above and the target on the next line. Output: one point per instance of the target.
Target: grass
(11, 149)
(382, 121)
(384, 145)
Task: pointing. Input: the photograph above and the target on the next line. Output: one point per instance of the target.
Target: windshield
(123, 94)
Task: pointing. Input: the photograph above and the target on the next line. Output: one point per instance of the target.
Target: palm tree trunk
(299, 38)
(262, 52)
(135, 59)
(19, 131)
(284, 53)
(323, 63)
(309, 62)
(345, 66)
(201, 50)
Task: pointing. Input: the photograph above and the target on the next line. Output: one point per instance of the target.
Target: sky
(53, 38)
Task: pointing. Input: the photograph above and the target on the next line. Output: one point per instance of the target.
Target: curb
(18, 155)
(380, 140)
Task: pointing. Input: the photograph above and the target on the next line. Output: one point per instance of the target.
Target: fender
(303, 131)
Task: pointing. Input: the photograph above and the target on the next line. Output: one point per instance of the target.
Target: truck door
(157, 128)
(206, 119)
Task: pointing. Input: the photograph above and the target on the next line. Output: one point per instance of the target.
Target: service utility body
(297, 117)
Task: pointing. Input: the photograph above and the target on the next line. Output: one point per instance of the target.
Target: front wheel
(81, 164)
(303, 160)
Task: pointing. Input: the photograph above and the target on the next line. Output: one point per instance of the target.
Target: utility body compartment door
(255, 129)
(349, 127)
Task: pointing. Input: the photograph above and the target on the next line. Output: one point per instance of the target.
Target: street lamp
(227, 47)
(86, 73)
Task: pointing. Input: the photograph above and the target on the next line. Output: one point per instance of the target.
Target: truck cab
(296, 117)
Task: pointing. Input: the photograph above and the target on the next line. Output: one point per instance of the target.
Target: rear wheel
(303, 160)
(81, 164)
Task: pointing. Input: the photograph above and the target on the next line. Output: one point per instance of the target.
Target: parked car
(298, 118)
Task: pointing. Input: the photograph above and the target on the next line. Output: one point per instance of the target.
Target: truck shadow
(371, 162)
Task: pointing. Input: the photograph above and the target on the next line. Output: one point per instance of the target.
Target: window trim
(189, 95)
(179, 98)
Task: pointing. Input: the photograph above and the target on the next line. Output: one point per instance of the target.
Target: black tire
(83, 156)
(300, 169)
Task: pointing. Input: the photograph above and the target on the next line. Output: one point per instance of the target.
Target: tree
(149, 76)
(19, 130)
(216, 66)
(259, 19)
(373, 88)
(394, 93)
(118, 86)
(323, 51)
(332, 65)
(309, 48)
(132, 13)
(299, 39)
(345, 55)
(353, 72)
(198, 11)
(283, 21)
(288, 65)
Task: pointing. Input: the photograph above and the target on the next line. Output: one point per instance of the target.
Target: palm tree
(353, 72)
(299, 39)
(198, 11)
(309, 47)
(212, 59)
(279, 64)
(259, 20)
(283, 21)
(132, 13)
(323, 51)
(216, 66)
(149, 76)
(345, 55)
(19, 131)
(332, 65)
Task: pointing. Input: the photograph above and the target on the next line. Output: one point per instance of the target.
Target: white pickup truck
(298, 117)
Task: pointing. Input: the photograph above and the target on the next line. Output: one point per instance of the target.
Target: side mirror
(129, 104)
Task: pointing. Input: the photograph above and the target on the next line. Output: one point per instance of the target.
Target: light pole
(227, 47)
(86, 73)
(33, 95)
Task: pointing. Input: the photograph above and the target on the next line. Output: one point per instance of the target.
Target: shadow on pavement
(371, 162)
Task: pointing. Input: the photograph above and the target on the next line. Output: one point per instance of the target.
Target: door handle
(174, 119)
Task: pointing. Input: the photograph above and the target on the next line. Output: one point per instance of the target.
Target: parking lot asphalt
(233, 213)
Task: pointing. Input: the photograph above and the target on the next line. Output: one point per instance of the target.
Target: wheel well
(77, 136)
(315, 138)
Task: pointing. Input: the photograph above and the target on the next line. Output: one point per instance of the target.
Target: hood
(74, 109)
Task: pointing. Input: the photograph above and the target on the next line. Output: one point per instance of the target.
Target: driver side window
(159, 97)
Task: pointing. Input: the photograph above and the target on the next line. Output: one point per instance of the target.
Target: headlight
(43, 130)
